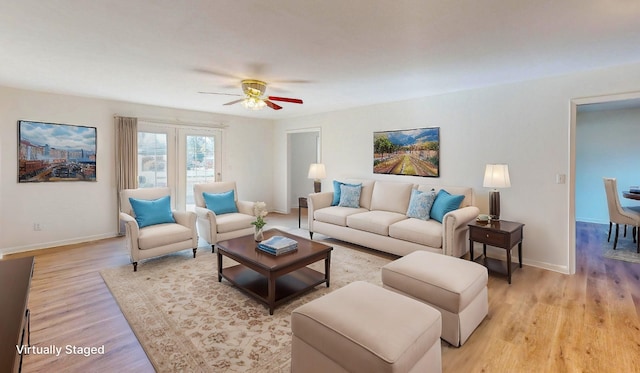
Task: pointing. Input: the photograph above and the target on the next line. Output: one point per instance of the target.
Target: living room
(527, 123)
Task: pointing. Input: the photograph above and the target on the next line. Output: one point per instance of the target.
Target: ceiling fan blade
(234, 102)
(286, 99)
(272, 105)
(217, 93)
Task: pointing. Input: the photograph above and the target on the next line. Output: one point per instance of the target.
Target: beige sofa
(381, 223)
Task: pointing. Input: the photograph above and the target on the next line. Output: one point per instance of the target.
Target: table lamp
(317, 172)
(496, 176)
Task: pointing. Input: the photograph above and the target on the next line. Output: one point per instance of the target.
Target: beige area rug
(627, 254)
(187, 321)
(626, 250)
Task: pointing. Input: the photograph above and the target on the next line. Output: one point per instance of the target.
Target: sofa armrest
(245, 207)
(317, 201)
(454, 230)
(132, 232)
(206, 214)
(186, 218)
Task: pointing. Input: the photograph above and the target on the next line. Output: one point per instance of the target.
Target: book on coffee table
(278, 245)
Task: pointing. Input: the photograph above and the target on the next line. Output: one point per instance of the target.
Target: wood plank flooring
(543, 322)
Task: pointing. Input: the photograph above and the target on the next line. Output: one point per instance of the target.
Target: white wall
(607, 145)
(81, 211)
(526, 125)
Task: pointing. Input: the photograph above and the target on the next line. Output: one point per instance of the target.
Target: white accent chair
(214, 228)
(159, 239)
(618, 214)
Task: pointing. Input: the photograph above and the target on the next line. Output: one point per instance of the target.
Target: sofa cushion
(464, 191)
(392, 197)
(420, 204)
(365, 193)
(444, 204)
(336, 215)
(151, 212)
(337, 192)
(158, 235)
(374, 221)
(233, 222)
(350, 195)
(423, 232)
(220, 203)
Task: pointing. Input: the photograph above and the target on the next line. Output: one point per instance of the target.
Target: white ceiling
(333, 54)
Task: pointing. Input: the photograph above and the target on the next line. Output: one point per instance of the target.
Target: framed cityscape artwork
(49, 152)
(413, 152)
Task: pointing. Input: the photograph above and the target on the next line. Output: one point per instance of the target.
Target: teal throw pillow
(420, 204)
(350, 195)
(445, 203)
(337, 191)
(151, 212)
(221, 203)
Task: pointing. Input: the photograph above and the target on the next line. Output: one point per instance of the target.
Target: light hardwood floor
(544, 322)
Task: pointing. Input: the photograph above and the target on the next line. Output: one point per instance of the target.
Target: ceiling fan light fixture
(253, 103)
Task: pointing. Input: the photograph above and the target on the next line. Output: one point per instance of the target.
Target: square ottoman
(362, 327)
(454, 286)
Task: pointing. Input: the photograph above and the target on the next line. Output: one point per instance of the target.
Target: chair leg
(135, 266)
(194, 251)
(311, 235)
(213, 248)
(615, 239)
(625, 232)
(609, 236)
(634, 234)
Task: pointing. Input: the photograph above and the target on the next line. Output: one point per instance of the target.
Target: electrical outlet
(37, 227)
(561, 178)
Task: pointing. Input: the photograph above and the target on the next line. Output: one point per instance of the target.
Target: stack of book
(278, 245)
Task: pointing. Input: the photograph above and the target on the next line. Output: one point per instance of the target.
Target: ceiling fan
(254, 98)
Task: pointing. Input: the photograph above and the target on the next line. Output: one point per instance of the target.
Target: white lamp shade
(496, 176)
(317, 171)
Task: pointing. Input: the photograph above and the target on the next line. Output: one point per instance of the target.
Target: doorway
(578, 173)
(178, 157)
(304, 149)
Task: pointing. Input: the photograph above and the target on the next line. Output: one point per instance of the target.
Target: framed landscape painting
(413, 152)
(49, 152)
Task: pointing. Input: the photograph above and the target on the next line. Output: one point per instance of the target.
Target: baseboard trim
(48, 245)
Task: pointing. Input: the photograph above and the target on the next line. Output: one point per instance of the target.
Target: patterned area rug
(188, 321)
(623, 253)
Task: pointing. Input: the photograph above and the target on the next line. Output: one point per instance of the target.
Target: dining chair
(618, 214)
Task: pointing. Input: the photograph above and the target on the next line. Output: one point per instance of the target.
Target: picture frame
(52, 152)
(414, 152)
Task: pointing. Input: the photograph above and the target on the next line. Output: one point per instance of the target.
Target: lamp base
(317, 186)
(494, 205)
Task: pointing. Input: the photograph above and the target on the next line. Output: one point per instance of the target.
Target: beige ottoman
(365, 328)
(454, 286)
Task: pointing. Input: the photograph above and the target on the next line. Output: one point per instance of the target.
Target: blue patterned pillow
(445, 203)
(420, 204)
(336, 191)
(350, 195)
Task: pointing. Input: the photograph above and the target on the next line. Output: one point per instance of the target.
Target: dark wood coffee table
(272, 279)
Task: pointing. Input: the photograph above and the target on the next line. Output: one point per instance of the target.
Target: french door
(178, 157)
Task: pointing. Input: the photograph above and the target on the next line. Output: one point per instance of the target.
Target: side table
(302, 204)
(498, 233)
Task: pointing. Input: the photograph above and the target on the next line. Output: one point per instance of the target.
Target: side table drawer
(488, 237)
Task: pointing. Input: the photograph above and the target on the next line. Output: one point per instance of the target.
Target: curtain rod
(178, 122)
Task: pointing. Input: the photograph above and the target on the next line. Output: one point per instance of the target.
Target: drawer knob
(487, 235)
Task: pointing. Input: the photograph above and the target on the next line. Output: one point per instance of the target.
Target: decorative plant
(259, 211)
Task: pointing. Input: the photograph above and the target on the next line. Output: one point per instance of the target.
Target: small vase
(258, 234)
